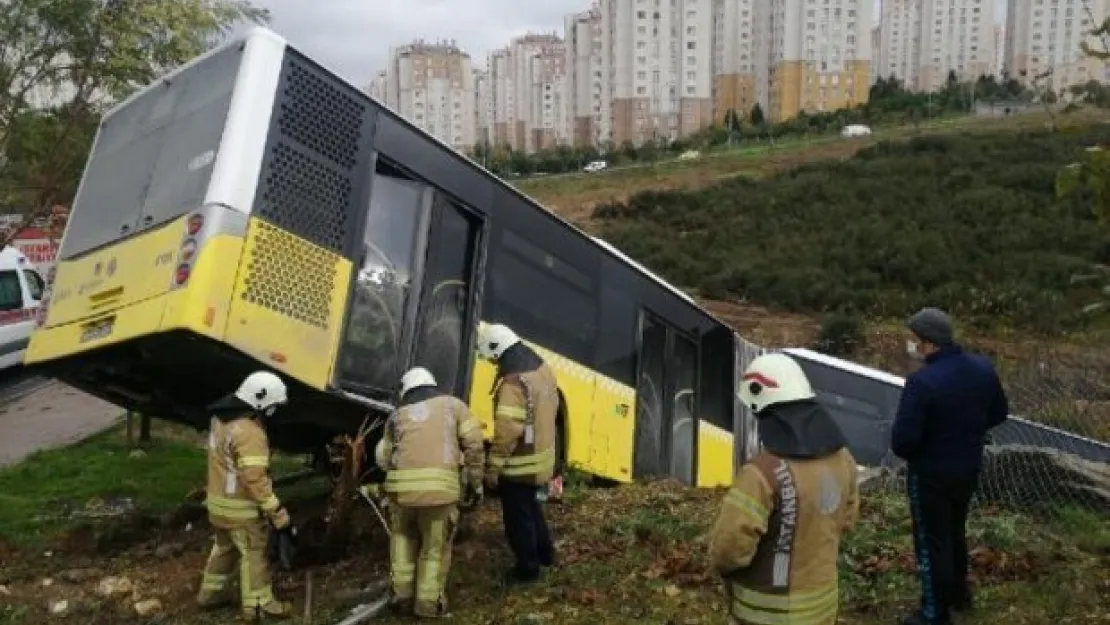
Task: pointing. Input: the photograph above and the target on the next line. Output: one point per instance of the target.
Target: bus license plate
(97, 330)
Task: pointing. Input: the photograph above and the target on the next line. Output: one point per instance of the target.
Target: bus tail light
(182, 274)
(195, 223)
(187, 253)
(188, 250)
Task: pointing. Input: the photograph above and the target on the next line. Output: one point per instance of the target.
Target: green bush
(969, 223)
(840, 334)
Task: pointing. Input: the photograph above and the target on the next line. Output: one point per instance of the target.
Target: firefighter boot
(214, 600)
(274, 610)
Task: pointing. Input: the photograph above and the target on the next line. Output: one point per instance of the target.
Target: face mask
(913, 352)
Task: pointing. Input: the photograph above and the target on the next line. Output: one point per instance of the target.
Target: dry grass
(630, 554)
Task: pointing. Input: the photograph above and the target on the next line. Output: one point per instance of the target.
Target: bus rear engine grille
(290, 276)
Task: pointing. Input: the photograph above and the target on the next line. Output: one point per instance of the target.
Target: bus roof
(846, 365)
(253, 33)
(626, 258)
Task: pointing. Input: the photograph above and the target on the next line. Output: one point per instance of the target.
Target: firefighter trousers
(525, 528)
(420, 556)
(241, 548)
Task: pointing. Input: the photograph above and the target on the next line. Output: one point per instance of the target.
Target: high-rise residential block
(584, 87)
(1043, 39)
(657, 57)
(432, 85)
(819, 55)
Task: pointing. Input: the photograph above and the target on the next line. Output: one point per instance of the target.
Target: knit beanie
(933, 325)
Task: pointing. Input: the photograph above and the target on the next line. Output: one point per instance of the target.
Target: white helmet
(262, 391)
(494, 339)
(773, 379)
(379, 453)
(416, 377)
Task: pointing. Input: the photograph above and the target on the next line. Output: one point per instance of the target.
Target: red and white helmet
(773, 379)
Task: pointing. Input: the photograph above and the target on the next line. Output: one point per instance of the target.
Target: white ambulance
(21, 291)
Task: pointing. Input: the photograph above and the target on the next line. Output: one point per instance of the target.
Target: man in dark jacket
(946, 409)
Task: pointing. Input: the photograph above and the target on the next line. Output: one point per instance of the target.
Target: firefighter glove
(473, 496)
(490, 480)
(282, 547)
(279, 518)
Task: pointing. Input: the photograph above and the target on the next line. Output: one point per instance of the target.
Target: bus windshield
(153, 156)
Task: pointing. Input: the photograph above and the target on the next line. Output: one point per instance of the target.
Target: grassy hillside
(574, 196)
(966, 221)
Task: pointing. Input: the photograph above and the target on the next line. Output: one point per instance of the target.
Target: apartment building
(502, 97)
(876, 44)
(899, 49)
(535, 62)
(819, 55)
(923, 41)
(999, 61)
(483, 107)
(657, 57)
(432, 85)
(955, 36)
(376, 88)
(1043, 38)
(734, 56)
(583, 84)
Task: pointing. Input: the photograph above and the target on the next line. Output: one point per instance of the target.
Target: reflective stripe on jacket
(525, 410)
(425, 444)
(777, 538)
(239, 487)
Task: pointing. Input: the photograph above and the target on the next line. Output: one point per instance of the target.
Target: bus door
(413, 289)
(448, 309)
(666, 402)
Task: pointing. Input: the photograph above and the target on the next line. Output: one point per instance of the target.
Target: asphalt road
(38, 413)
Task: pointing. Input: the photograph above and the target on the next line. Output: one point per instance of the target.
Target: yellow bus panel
(714, 455)
(204, 304)
(127, 272)
(290, 291)
(593, 413)
(117, 326)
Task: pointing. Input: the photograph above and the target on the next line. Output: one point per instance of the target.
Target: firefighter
(426, 440)
(242, 506)
(777, 535)
(522, 456)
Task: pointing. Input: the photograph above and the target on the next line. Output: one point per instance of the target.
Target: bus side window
(35, 284)
(11, 292)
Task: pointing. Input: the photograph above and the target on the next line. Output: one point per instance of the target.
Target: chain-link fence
(1053, 453)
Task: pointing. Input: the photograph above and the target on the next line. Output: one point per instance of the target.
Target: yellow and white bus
(254, 209)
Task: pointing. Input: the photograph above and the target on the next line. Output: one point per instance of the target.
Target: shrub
(967, 222)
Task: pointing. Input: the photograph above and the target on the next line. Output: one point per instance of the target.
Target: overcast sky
(353, 36)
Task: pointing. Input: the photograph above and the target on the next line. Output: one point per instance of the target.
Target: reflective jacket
(425, 443)
(777, 537)
(239, 487)
(525, 407)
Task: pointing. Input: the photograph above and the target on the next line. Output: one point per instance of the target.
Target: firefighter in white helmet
(778, 532)
(242, 506)
(522, 456)
(426, 440)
